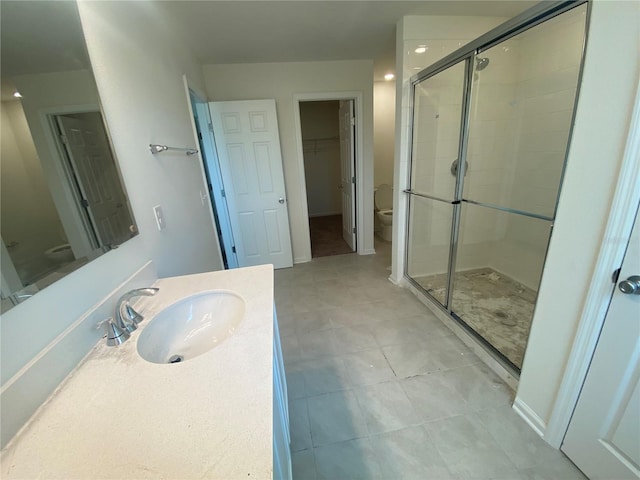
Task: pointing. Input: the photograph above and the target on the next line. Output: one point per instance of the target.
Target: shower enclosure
(490, 133)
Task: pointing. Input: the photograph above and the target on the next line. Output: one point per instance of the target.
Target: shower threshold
(496, 307)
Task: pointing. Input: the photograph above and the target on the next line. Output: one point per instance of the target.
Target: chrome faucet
(126, 317)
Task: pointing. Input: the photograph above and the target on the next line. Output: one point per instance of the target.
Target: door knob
(281, 200)
(631, 285)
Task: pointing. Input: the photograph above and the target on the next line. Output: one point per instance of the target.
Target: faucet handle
(115, 334)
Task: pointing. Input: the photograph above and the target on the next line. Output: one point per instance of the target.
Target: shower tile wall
(544, 99)
(523, 102)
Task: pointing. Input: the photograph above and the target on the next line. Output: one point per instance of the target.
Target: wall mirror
(63, 202)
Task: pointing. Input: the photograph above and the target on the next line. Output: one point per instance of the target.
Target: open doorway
(328, 146)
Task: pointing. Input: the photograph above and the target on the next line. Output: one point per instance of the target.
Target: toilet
(383, 201)
(60, 254)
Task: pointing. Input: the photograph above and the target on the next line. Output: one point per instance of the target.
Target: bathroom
(129, 53)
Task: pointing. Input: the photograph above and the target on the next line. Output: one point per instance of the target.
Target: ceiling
(46, 36)
(39, 37)
(292, 31)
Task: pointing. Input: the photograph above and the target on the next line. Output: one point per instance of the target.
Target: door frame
(359, 163)
(211, 156)
(610, 257)
(75, 221)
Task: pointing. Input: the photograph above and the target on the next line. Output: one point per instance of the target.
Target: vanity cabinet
(281, 436)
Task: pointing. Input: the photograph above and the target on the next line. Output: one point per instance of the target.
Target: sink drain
(504, 318)
(175, 359)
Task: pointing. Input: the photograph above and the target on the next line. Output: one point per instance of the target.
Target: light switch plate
(157, 212)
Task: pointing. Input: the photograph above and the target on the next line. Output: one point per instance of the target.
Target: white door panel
(90, 156)
(603, 438)
(247, 138)
(347, 172)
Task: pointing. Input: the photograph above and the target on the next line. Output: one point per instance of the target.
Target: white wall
(384, 116)
(139, 76)
(319, 122)
(138, 64)
(282, 81)
(30, 221)
(597, 146)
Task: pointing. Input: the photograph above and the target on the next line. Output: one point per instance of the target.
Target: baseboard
(325, 214)
(23, 394)
(529, 416)
(367, 251)
(301, 260)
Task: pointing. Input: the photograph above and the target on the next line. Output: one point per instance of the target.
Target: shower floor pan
(497, 307)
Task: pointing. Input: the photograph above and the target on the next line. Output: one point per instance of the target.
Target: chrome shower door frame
(468, 53)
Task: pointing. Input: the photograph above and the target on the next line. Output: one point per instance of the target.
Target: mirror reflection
(62, 199)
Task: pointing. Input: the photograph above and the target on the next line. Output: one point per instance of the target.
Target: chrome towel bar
(163, 148)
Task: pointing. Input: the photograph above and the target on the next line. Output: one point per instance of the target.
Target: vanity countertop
(119, 416)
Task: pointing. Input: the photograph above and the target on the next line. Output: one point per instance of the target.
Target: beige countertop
(119, 416)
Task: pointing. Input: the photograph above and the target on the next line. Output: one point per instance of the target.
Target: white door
(347, 171)
(248, 144)
(603, 438)
(204, 128)
(94, 166)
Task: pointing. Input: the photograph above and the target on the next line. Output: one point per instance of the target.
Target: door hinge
(199, 136)
(210, 187)
(233, 249)
(353, 180)
(353, 121)
(353, 230)
(615, 275)
(222, 192)
(84, 202)
(63, 139)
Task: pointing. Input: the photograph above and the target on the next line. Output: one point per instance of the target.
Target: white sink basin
(191, 327)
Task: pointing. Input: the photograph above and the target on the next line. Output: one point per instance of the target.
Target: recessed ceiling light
(421, 49)
(389, 76)
(17, 94)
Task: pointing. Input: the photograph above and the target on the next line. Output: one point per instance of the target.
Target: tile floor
(379, 388)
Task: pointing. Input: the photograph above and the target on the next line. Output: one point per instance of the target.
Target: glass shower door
(521, 108)
(437, 117)
(477, 238)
